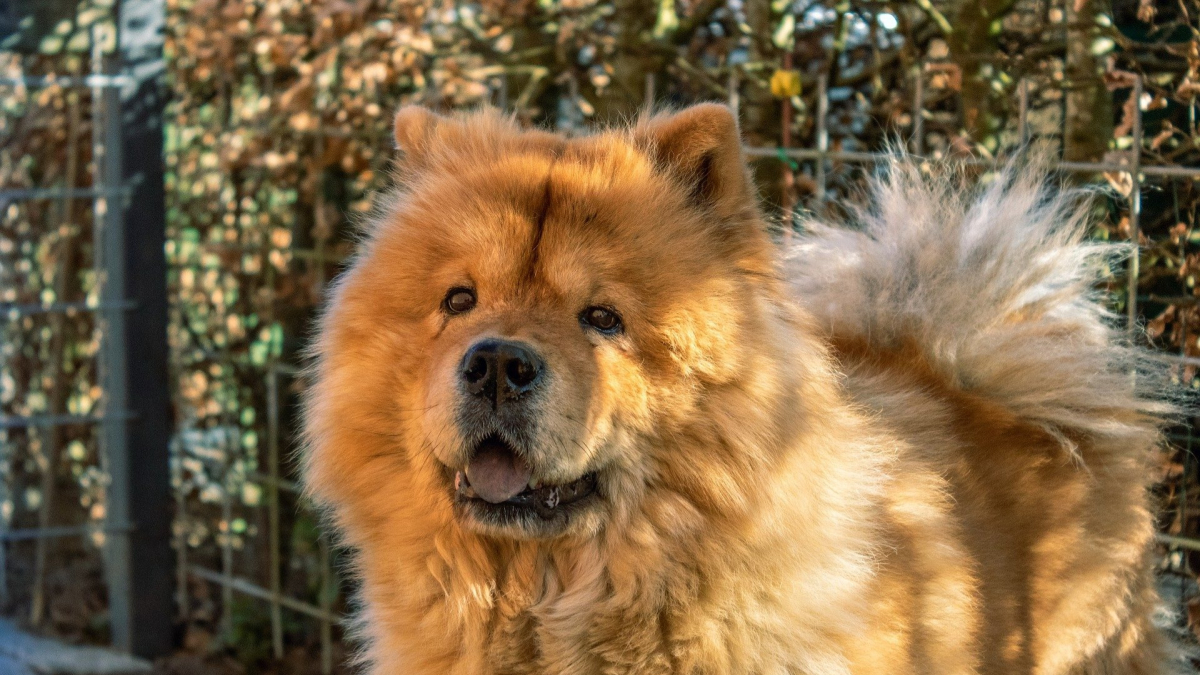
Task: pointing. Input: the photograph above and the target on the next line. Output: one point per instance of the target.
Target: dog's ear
(701, 147)
(415, 128)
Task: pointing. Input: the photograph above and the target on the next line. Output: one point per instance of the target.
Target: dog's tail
(998, 287)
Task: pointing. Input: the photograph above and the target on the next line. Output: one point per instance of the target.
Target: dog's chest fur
(563, 616)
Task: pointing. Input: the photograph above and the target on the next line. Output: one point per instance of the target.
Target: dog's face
(533, 310)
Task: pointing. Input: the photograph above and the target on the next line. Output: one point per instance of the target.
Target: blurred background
(181, 179)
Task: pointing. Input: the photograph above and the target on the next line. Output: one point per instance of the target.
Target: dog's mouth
(498, 480)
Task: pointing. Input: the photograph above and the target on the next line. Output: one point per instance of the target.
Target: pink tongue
(496, 473)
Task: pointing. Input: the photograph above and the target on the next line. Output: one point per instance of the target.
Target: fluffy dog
(576, 413)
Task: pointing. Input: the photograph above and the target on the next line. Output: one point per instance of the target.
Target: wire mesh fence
(45, 428)
(78, 522)
(278, 134)
(833, 174)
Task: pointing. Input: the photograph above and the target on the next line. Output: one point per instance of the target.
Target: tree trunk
(971, 40)
(1088, 125)
(632, 62)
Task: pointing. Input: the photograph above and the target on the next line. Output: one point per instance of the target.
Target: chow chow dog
(576, 412)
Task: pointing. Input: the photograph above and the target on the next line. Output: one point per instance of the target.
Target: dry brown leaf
(1162, 136)
(1122, 182)
(946, 76)
(1193, 615)
(1178, 232)
(1119, 79)
(1128, 116)
(298, 97)
(1146, 11)
(1188, 89)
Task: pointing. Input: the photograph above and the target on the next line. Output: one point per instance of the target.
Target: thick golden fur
(911, 448)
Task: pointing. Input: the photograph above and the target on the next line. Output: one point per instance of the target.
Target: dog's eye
(602, 319)
(459, 300)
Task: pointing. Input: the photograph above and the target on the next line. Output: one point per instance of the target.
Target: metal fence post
(113, 375)
(1135, 205)
(918, 111)
(734, 86)
(1023, 112)
(275, 576)
(139, 561)
(822, 138)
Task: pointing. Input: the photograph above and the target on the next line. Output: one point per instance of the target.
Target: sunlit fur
(915, 447)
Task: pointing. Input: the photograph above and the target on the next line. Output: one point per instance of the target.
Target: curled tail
(998, 286)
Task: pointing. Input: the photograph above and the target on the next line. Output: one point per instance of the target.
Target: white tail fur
(997, 285)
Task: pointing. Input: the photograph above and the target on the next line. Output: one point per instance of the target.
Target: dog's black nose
(499, 370)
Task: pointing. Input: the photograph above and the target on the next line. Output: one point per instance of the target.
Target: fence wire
(825, 166)
(87, 428)
(251, 566)
(84, 521)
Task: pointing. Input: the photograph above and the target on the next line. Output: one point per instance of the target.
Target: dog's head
(534, 322)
